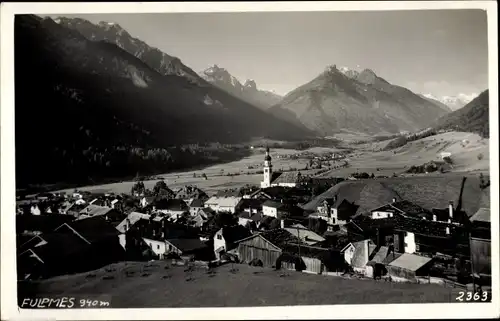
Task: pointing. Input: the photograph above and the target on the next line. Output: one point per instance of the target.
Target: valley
(465, 149)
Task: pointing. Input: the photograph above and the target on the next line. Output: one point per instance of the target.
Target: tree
(160, 185)
(204, 176)
(138, 188)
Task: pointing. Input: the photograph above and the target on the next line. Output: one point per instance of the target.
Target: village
(338, 227)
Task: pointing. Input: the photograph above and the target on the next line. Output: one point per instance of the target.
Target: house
(250, 220)
(110, 214)
(404, 208)
(128, 223)
(187, 247)
(250, 205)
(358, 254)
(265, 247)
(304, 234)
(225, 239)
(311, 259)
(147, 200)
(153, 234)
(171, 207)
(480, 245)
(335, 211)
(199, 219)
(281, 209)
(189, 193)
(157, 245)
(223, 204)
(376, 267)
(408, 267)
(196, 205)
(73, 247)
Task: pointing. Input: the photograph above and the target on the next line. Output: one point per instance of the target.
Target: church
(287, 179)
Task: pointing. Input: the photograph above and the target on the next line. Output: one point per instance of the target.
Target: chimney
(450, 210)
(282, 223)
(447, 230)
(434, 217)
(394, 200)
(127, 225)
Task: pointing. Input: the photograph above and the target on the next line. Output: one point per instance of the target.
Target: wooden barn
(266, 246)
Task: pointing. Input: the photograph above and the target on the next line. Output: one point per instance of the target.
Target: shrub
(480, 156)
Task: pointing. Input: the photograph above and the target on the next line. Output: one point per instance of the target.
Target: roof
(190, 191)
(172, 204)
(58, 245)
(287, 178)
(197, 202)
(306, 235)
(95, 210)
(381, 254)
(272, 204)
(416, 226)
(425, 191)
(358, 259)
(187, 245)
(230, 201)
(250, 203)
(132, 218)
(482, 215)
(235, 233)
(280, 237)
(410, 262)
(93, 229)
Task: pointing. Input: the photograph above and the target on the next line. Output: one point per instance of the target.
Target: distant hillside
(361, 102)
(473, 117)
(221, 78)
(87, 109)
(428, 192)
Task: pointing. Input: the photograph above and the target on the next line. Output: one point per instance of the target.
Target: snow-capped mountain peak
(454, 102)
(351, 73)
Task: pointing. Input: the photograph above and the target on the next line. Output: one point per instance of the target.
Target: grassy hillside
(473, 117)
(141, 285)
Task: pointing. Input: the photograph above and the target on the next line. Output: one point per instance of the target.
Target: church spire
(268, 167)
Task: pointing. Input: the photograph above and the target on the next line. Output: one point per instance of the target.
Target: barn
(266, 246)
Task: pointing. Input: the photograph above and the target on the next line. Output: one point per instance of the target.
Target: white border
(9, 309)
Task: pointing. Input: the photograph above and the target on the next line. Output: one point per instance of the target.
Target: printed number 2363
(472, 296)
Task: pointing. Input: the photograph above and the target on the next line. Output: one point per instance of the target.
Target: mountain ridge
(361, 102)
(248, 91)
(107, 112)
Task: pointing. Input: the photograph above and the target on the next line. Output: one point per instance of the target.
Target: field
(470, 153)
(159, 284)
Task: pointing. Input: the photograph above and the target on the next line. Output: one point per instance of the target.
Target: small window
(219, 237)
(158, 247)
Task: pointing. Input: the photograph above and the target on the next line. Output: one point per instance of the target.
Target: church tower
(268, 169)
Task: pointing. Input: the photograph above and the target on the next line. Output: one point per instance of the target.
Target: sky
(439, 52)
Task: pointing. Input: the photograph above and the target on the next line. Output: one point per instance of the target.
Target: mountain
(249, 92)
(344, 100)
(452, 102)
(114, 33)
(457, 102)
(89, 108)
(473, 117)
(437, 102)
